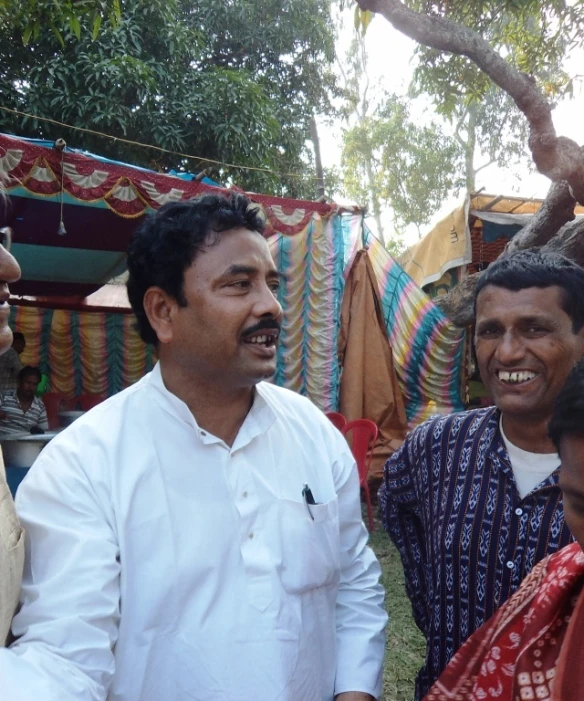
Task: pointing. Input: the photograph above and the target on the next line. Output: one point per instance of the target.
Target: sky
(390, 63)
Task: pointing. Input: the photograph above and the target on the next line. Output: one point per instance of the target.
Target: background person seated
(20, 409)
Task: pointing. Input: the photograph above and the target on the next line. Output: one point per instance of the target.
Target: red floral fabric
(515, 655)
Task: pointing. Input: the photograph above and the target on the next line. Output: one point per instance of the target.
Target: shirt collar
(500, 456)
(259, 419)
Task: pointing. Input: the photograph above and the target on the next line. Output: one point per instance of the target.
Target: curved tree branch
(556, 211)
(557, 157)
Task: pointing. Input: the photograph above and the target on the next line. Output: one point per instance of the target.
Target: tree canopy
(470, 35)
(35, 17)
(390, 160)
(234, 82)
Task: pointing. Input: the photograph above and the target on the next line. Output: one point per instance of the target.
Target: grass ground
(405, 644)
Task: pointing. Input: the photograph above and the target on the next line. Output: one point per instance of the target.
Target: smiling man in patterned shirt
(472, 500)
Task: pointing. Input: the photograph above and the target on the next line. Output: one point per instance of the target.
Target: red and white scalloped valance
(129, 192)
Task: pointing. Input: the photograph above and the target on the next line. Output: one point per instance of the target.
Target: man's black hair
(568, 414)
(530, 268)
(29, 370)
(166, 244)
(18, 336)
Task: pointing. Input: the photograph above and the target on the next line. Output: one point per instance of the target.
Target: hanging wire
(156, 148)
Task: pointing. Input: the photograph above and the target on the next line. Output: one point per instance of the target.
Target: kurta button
(245, 495)
(510, 565)
(250, 535)
(518, 511)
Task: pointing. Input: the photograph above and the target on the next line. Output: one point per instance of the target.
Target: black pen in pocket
(308, 499)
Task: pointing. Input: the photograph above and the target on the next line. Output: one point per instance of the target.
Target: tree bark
(569, 242)
(317, 159)
(556, 211)
(557, 157)
(471, 144)
(458, 304)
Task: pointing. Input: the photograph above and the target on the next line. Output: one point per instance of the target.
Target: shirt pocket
(310, 547)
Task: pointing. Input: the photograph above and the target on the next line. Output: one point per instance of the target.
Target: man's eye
(240, 284)
(487, 333)
(6, 237)
(274, 286)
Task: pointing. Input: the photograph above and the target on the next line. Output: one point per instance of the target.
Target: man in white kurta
(165, 563)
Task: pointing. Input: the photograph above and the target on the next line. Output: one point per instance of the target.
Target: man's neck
(24, 401)
(218, 409)
(528, 433)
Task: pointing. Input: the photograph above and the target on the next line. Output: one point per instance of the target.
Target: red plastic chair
(88, 401)
(337, 420)
(365, 434)
(54, 403)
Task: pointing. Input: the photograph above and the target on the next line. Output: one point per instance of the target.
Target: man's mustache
(264, 325)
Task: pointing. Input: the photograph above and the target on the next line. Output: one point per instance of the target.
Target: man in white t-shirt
(472, 500)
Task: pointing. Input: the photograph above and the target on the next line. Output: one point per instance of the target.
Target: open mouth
(265, 340)
(520, 377)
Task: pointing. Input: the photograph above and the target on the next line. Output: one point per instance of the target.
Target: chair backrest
(54, 402)
(88, 401)
(336, 419)
(364, 436)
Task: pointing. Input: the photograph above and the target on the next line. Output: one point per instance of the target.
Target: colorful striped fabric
(82, 352)
(427, 348)
(312, 262)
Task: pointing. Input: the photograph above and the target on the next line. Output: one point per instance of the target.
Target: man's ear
(160, 308)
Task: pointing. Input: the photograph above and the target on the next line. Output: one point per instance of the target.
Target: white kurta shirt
(163, 565)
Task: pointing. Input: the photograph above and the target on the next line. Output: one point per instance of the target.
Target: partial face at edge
(525, 348)
(572, 484)
(9, 272)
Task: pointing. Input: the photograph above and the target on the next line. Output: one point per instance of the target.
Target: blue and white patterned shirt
(466, 538)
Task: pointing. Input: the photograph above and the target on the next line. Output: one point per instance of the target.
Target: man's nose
(510, 348)
(9, 268)
(267, 303)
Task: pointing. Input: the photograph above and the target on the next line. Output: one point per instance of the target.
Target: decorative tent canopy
(100, 203)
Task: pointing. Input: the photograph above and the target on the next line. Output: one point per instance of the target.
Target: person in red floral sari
(533, 647)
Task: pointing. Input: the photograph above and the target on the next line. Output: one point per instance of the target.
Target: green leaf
(27, 33)
(75, 26)
(96, 26)
(366, 17)
(117, 11)
(58, 34)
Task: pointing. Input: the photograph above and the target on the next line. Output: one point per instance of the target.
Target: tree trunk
(556, 210)
(317, 159)
(569, 242)
(556, 157)
(470, 148)
(374, 199)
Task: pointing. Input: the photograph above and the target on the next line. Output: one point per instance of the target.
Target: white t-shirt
(529, 469)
